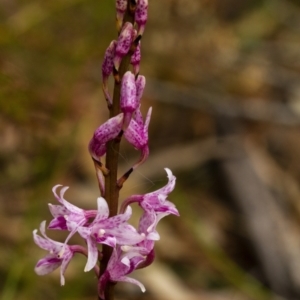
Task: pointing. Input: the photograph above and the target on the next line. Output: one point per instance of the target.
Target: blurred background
(223, 80)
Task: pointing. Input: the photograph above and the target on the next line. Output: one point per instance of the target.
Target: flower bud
(141, 15)
(106, 132)
(107, 68)
(129, 102)
(128, 93)
(123, 44)
(121, 6)
(136, 59)
(137, 135)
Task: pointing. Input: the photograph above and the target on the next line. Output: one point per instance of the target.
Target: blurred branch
(243, 281)
(179, 158)
(266, 222)
(220, 105)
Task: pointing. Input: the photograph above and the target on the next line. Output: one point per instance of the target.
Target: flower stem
(112, 156)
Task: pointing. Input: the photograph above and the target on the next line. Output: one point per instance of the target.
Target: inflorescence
(133, 248)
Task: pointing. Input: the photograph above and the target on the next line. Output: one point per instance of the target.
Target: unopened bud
(141, 15)
(104, 133)
(136, 59)
(121, 6)
(123, 44)
(129, 101)
(107, 68)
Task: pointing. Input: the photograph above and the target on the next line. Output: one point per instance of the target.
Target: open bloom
(109, 231)
(68, 216)
(59, 254)
(157, 200)
(143, 252)
(156, 203)
(67, 212)
(118, 267)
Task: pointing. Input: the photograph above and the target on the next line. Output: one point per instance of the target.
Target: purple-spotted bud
(123, 44)
(121, 6)
(107, 68)
(137, 135)
(136, 59)
(141, 15)
(106, 132)
(129, 102)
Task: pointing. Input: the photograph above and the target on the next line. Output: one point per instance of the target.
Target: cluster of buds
(132, 248)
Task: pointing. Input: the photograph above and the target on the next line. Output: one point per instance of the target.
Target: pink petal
(92, 254)
(147, 219)
(147, 121)
(134, 134)
(113, 258)
(59, 223)
(126, 235)
(70, 207)
(66, 260)
(103, 210)
(108, 240)
(41, 242)
(115, 221)
(134, 281)
(57, 210)
(47, 265)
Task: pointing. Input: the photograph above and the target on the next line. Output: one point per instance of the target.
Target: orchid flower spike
(141, 15)
(59, 254)
(121, 7)
(109, 231)
(107, 69)
(123, 44)
(118, 267)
